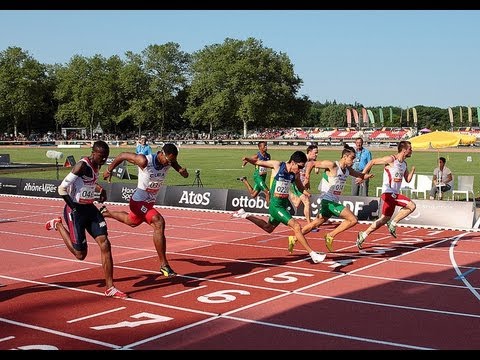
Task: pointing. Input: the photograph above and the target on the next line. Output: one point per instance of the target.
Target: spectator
(362, 157)
(442, 177)
(143, 147)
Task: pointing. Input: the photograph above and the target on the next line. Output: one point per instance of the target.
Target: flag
(415, 118)
(371, 117)
(469, 116)
(355, 116)
(478, 115)
(450, 115)
(461, 116)
(380, 110)
(349, 118)
(391, 116)
(364, 117)
(408, 116)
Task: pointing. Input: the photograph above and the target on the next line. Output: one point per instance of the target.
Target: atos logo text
(192, 198)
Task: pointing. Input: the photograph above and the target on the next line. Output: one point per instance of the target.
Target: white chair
(464, 186)
(424, 185)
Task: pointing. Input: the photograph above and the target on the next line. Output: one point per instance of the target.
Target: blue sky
(376, 58)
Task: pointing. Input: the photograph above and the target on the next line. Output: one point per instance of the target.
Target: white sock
(393, 223)
(312, 254)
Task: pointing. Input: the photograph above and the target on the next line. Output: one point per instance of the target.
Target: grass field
(219, 167)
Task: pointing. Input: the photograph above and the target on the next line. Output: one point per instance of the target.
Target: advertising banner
(120, 192)
(9, 186)
(455, 214)
(195, 197)
(364, 208)
(40, 188)
(237, 199)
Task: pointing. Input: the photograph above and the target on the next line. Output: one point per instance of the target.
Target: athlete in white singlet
(331, 187)
(152, 170)
(394, 171)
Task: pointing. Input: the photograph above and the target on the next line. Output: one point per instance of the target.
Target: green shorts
(278, 212)
(259, 182)
(331, 208)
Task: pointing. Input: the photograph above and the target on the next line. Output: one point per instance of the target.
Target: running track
(238, 287)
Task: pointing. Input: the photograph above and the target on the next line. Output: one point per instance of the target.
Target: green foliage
(241, 82)
(24, 89)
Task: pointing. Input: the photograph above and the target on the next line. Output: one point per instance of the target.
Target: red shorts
(390, 201)
(141, 211)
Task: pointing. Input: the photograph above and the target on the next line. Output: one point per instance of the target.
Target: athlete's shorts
(259, 182)
(279, 213)
(85, 218)
(390, 201)
(330, 208)
(141, 211)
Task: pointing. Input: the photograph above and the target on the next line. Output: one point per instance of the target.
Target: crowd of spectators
(315, 134)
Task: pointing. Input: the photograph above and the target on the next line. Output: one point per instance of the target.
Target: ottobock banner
(237, 199)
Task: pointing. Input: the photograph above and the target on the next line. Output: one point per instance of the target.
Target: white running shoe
(52, 224)
(240, 214)
(360, 239)
(317, 257)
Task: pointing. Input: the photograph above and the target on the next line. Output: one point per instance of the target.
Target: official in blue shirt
(362, 157)
(142, 147)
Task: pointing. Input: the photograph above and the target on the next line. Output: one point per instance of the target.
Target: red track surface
(238, 287)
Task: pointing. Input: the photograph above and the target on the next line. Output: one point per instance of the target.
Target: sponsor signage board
(455, 214)
(121, 192)
(9, 186)
(364, 208)
(195, 197)
(38, 187)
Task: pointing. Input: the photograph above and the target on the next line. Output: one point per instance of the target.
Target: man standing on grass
(362, 157)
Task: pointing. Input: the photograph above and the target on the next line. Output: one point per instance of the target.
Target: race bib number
(154, 186)
(282, 189)
(262, 170)
(338, 189)
(87, 195)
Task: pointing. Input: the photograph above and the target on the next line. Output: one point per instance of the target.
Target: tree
(23, 86)
(167, 72)
(242, 81)
(87, 91)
